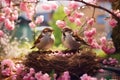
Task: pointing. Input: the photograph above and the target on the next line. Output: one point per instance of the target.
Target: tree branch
(99, 7)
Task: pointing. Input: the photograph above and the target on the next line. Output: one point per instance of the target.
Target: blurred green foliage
(100, 53)
(59, 14)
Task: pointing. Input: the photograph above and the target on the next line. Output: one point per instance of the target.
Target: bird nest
(77, 62)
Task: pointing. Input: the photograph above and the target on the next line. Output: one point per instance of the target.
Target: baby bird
(70, 40)
(45, 39)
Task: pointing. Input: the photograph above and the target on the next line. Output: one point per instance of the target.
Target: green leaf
(100, 53)
(52, 75)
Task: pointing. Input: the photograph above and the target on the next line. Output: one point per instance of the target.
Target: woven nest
(76, 62)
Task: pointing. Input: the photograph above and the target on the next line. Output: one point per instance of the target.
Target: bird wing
(37, 41)
(80, 39)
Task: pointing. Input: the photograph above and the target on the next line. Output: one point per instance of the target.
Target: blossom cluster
(75, 16)
(17, 71)
(110, 61)
(10, 12)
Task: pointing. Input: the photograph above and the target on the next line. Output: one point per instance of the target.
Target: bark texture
(116, 30)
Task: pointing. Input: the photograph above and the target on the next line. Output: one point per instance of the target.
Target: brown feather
(38, 39)
(80, 39)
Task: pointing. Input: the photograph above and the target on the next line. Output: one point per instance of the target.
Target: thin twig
(93, 12)
(100, 7)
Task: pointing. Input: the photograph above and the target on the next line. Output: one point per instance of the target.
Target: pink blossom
(108, 50)
(118, 15)
(45, 77)
(71, 19)
(102, 79)
(32, 0)
(28, 77)
(24, 6)
(30, 15)
(73, 5)
(7, 62)
(7, 10)
(67, 11)
(39, 19)
(89, 40)
(103, 40)
(110, 61)
(116, 11)
(86, 77)
(94, 44)
(93, 31)
(32, 71)
(112, 50)
(6, 3)
(104, 48)
(65, 76)
(104, 61)
(6, 72)
(53, 5)
(1, 33)
(46, 6)
(9, 24)
(87, 34)
(91, 1)
(14, 77)
(101, 70)
(32, 25)
(90, 21)
(90, 33)
(7, 66)
(60, 23)
(14, 16)
(40, 76)
(112, 23)
(78, 22)
(78, 14)
(19, 69)
(2, 17)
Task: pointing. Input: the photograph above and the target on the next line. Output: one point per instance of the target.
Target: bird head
(47, 31)
(67, 30)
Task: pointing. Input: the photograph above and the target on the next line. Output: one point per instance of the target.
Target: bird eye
(71, 32)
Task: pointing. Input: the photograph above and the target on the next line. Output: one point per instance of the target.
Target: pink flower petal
(32, 25)
(1, 33)
(90, 21)
(46, 6)
(60, 23)
(7, 10)
(9, 24)
(53, 5)
(39, 19)
(73, 5)
(78, 22)
(67, 11)
(112, 23)
(24, 6)
(78, 14)
(103, 40)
